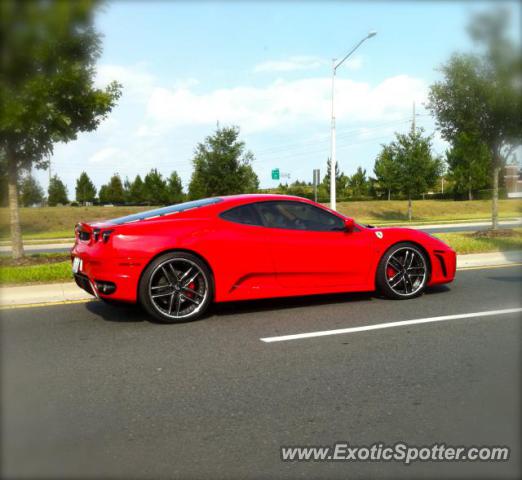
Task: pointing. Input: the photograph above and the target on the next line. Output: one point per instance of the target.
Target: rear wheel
(176, 287)
(403, 272)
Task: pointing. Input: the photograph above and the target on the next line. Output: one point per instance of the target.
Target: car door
(243, 256)
(311, 248)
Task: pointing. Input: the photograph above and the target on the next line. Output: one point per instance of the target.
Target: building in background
(513, 180)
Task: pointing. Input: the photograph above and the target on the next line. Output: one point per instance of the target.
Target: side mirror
(349, 224)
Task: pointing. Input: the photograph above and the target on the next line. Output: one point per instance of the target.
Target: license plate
(77, 264)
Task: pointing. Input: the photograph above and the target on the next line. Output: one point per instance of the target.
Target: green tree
(85, 189)
(417, 169)
(3, 180)
(386, 172)
(341, 181)
(57, 192)
(175, 188)
(127, 185)
(222, 166)
(104, 195)
(113, 191)
(136, 191)
(358, 183)
(480, 94)
(468, 162)
(297, 188)
(155, 188)
(30, 191)
(47, 92)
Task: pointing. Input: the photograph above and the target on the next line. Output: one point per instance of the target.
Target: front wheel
(403, 272)
(176, 287)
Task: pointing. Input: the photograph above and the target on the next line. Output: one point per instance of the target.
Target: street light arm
(332, 157)
(349, 53)
(371, 34)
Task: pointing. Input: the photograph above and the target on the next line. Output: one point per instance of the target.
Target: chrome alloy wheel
(406, 271)
(178, 288)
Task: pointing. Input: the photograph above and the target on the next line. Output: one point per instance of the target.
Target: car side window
(298, 216)
(245, 214)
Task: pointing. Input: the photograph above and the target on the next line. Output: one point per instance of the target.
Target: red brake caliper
(390, 272)
(192, 286)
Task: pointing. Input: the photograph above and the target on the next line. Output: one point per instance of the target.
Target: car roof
(216, 204)
(259, 197)
(230, 201)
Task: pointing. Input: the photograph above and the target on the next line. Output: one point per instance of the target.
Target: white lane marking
(379, 326)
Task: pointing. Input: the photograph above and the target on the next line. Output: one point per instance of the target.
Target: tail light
(103, 234)
(85, 232)
(81, 233)
(106, 235)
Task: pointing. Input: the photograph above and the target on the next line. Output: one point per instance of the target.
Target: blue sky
(264, 66)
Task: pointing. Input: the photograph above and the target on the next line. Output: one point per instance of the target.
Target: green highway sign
(275, 174)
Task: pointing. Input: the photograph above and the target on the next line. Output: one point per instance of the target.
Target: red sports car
(175, 261)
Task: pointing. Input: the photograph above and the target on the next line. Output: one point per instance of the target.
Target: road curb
(42, 294)
(491, 259)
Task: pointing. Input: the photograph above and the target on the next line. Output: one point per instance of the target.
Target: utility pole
(413, 120)
(317, 179)
(332, 156)
(49, 180)
(335, 66)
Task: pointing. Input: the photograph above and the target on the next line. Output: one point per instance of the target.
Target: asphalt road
(91, 390)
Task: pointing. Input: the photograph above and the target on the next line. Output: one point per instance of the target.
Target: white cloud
(282, 104)
(136, 81)
(290, 64)
(304, 62)
(157, 122)
(108, 154)
(186, 83)
(353, 63)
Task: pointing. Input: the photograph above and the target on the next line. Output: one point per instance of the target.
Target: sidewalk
(501, 223)
(12, 297)
(488, 259)
(40, 294)
(40, 246)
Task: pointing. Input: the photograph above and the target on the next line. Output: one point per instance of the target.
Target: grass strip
(42, 273)
(464, 243)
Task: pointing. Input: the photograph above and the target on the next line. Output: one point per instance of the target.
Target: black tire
(408, 283)
(174, 300)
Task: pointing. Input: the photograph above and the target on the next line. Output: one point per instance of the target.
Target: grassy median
(484, 241)
(55, 267)
(37, 268)
(427, 211)
(58, 222)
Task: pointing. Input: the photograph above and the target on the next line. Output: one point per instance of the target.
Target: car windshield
(160, 212)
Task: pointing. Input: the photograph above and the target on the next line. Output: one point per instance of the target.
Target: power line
(343, 133)
(323, 149)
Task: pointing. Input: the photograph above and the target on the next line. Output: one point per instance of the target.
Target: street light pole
(335, 66)
(332, 154)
